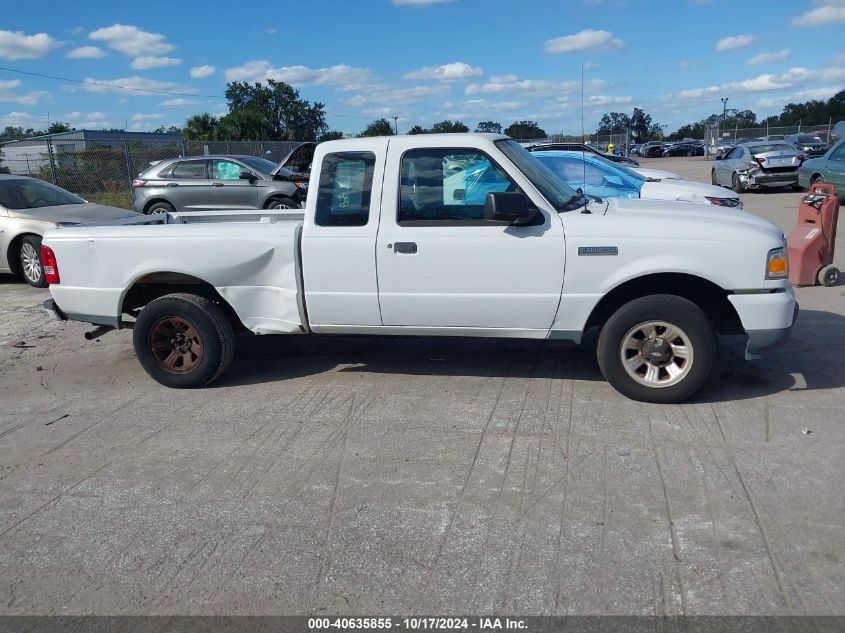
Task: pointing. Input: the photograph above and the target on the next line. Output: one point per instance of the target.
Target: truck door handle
(217, 184)
(409, 248)
(173, 184)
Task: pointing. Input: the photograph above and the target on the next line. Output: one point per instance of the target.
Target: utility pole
(396, 124)
(724, 109)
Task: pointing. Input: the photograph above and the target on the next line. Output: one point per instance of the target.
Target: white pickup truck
(392, 241)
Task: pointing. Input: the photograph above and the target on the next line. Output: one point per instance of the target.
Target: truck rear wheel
(183, 340)
(659, 348)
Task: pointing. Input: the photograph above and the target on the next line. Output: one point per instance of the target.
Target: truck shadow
(812, 359)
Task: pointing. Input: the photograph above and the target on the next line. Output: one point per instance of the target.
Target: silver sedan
(757, 165)
(28, 207)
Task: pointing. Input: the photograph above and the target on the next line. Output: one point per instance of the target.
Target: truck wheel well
(712, 299)
(12, 255)
(155, 285)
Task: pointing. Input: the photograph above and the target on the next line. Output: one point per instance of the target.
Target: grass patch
(121, 199)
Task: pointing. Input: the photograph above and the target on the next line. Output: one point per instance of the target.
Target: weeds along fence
(101, 170)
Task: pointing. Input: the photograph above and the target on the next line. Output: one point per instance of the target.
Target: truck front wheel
(183, 340)
(659, 348)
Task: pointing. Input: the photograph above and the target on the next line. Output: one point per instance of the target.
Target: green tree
(201, 127)
(448, 126)
(613, 123)
(17, 133)
(56, 127)
(168, 129)
(525, 130)
(379, 127)
(417, 129)
(332, 135)
(489, 126)
(272, 111)
(643, 128)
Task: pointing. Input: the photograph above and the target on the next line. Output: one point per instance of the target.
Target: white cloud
(198, 72)
(132, 85)
(539, 87)
(599, 101)
(86, 52)
(827, 14)
(387, 95)
(733, 42)
(798, 97)
(767, 58)
(341, 75)
(79, 120)
(446, 72)
(131, 41)
(176, 103)
(146, 62)
(791, 80)
(8, 93)
(18, 45)
(418, 3)
(588, 39)
(146, 117)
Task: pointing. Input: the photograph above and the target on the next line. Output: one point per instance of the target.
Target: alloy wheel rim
(176, 345)
(31, 263)
(281, 205)
(657, 354)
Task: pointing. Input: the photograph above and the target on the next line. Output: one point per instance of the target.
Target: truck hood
(704, 220)
(87, 213)
(685, 190)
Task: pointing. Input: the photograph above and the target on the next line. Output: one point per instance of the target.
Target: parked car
(381, 248)
(579, 147)
(773, 137)
(652, 149)
(810, 145)
(655, 174)
(219, 183)
(28, 207)
(684, 149)
(601, 179)
(828, 168)
(838, 132)
(758, 165)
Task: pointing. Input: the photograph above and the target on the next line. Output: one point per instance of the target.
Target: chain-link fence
(717, 137)
(101, 170)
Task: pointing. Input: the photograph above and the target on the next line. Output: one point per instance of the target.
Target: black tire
(675, 311)
(736, 184)
(818, 179)
(713, 180)
(160, 207)
(29, 259)
(281, 202)
(213, 336)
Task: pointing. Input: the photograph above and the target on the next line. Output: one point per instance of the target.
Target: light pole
(724, 109)
(396, 124)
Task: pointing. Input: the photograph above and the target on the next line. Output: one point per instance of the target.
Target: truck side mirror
(506, 206)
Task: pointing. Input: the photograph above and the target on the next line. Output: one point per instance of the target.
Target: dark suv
(221, 183)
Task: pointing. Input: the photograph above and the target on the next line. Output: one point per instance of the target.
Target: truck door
(342, 216)
(441, 264)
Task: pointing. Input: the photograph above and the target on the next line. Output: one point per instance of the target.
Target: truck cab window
(448, 185)
(346, 182)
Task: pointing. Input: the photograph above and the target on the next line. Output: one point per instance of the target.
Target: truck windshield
(554, 189)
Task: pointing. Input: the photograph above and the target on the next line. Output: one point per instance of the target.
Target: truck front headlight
(777, 264)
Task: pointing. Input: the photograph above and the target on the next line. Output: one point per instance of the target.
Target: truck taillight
(138, 183)
(51, 267)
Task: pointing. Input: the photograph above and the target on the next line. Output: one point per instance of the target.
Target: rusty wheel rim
(176, 345)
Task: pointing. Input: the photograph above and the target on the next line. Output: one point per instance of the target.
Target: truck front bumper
(767, 319)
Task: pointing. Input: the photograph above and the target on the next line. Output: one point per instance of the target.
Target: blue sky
(423, 60)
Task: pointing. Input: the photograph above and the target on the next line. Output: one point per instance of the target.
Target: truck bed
(253, 264)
